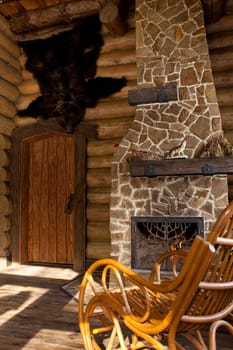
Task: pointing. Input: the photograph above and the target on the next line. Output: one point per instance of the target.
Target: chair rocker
(119, 309)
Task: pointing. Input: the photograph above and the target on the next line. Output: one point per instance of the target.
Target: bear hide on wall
(65, 68)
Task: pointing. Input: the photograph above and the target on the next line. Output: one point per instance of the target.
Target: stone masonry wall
(171, 48)
(10, 77)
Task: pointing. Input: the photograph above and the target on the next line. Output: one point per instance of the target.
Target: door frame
(19, 172)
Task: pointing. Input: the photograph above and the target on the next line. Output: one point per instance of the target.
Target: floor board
(36, 313)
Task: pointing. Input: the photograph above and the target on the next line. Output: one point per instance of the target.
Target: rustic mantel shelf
(180, 166)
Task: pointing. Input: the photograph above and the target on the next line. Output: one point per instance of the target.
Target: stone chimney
(171, 50)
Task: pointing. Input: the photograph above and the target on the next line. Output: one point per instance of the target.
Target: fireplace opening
(151, 237)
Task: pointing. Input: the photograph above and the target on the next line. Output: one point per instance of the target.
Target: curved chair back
(223, 225)
(214, 297)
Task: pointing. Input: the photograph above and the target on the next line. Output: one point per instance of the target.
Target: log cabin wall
(113, 116)
(220, 43)
(10, 78)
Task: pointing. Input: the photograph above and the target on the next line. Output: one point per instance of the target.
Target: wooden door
(49, 218)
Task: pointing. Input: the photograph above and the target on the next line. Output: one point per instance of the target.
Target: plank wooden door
(50, 191)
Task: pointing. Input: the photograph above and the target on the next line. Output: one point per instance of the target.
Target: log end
(110, 16)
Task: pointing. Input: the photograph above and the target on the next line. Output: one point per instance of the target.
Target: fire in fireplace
(153, 236)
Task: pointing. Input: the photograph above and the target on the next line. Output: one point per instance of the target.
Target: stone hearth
(171, 49)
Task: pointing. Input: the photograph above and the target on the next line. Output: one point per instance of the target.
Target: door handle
(69, 206)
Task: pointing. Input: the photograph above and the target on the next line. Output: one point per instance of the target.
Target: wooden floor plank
(37, 314)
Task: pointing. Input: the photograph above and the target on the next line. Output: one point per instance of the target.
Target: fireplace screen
(154, 236)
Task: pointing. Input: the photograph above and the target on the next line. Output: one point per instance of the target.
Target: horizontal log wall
(10, 78)
(220, 42)
(113, 116)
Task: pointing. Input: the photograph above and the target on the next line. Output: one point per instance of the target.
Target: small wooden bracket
(152, 95)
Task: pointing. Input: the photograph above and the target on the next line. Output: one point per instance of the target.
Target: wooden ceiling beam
(60, 14)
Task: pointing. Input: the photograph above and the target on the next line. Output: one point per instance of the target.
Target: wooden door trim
(82, 133)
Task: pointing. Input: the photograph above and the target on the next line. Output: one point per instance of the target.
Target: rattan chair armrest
(209, 318)
(177, 255)
(135, 278)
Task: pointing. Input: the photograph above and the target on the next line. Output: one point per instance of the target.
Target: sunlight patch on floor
(17, 300)
(41, 271)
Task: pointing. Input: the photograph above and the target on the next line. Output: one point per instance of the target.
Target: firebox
(154, 236)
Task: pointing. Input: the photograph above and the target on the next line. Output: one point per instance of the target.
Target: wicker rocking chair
(122, 310)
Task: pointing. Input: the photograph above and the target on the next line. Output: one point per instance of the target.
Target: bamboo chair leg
(108, 332)
(179, 346)
(201, 340)
(103, 329)
(117, 327)
(213, 330)
(199, 345)
(111, 339)
(151, 340)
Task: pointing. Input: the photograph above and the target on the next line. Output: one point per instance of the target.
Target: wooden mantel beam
(181, 167)
(159, 94)
(53, 16)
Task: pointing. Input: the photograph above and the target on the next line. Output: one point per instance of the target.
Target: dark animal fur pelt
(65, 68)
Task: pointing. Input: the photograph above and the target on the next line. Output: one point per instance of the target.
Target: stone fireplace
(153, 236)
(171, 49)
